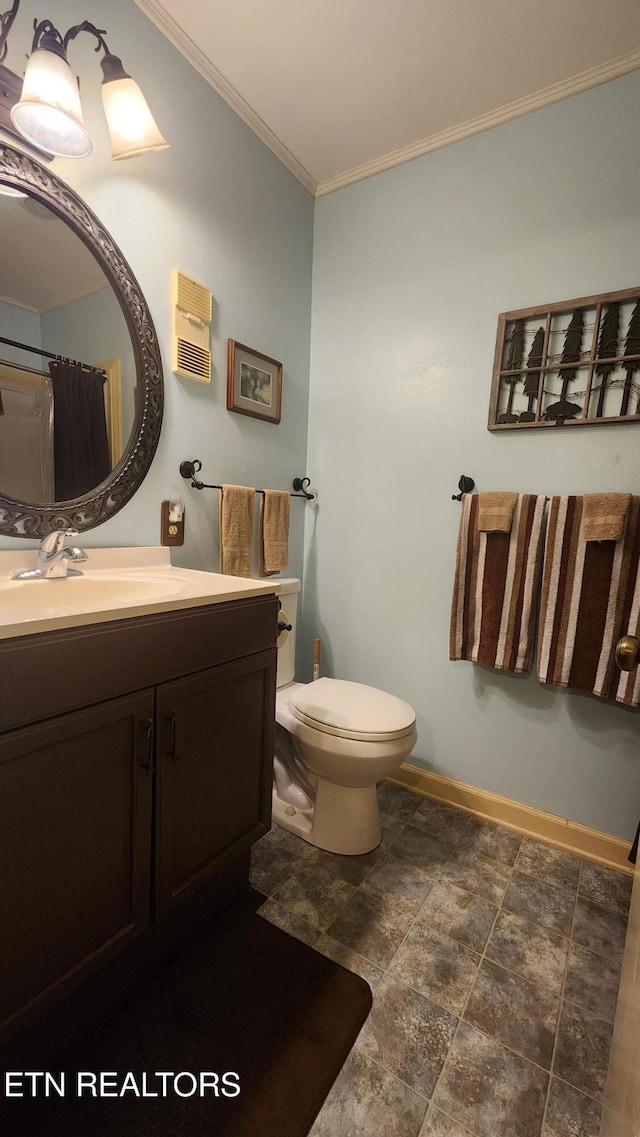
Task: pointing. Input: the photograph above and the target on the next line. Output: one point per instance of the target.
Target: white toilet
(334, 741)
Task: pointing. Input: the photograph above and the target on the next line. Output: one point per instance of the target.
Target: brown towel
(590, 598)
(496, 578)
(274, 531)
(605, 515)
(236, 529)
(495, 512)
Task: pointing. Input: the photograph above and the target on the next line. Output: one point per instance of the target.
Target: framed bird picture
(575, 363)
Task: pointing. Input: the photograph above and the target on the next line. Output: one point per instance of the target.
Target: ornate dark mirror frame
(33, 519)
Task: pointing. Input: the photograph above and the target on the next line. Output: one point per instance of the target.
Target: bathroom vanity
(135, 774)
(137, 699)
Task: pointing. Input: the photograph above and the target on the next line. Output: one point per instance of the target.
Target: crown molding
(185, 45)
(613, 69)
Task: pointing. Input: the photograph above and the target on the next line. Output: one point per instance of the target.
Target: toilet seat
(351, 710)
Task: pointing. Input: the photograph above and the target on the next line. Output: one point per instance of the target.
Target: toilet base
(345, 819)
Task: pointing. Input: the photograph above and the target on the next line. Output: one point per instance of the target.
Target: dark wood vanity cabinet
(153, 778)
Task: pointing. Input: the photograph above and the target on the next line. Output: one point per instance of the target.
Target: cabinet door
(75, 836)
(215, 771)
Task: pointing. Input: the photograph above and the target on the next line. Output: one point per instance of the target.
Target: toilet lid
(351, 710)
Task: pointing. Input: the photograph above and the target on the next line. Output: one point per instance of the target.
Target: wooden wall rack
(575, 363)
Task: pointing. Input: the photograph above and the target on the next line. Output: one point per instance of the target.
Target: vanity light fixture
(48, 113)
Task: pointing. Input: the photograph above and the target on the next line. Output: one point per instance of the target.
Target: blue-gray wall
(411, 269)
(93, 330)
(23, 326)
(221, 207)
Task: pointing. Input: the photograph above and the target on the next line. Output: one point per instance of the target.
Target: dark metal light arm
(6, 22)
(46, 34)
(86, 26)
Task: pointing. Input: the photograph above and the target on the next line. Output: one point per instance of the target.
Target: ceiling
(43, 265)
(340, 89)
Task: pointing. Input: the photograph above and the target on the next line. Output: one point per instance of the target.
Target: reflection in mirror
(67, 393)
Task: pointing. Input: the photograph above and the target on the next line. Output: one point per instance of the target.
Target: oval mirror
(80, 370)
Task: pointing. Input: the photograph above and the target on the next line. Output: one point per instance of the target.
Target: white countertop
(116, 584)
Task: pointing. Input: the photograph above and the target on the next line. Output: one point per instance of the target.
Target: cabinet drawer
(48, 674)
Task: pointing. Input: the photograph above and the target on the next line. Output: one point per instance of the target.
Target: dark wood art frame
(592, 352)
(34, 519)
(239, 356)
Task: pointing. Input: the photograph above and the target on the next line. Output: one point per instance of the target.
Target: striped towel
(495, 587)
(590, 597)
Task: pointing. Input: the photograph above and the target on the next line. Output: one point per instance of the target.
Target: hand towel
(274, 531)
(236, 529)
(605, 515)
(496, 580)
(590, 598)
(495, 512)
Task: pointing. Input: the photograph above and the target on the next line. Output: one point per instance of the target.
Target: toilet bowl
(334, 741)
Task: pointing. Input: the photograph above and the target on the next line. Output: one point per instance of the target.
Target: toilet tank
(288, 594)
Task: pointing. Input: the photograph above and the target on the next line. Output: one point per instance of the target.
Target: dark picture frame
(254, 383)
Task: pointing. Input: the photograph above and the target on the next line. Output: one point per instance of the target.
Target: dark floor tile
(592, 982)
(408, 1034)
(605, 886)
(290, 842)
(492, 840)
(352, 869)
(570, 1113)
(314, 895)
(491, 1091)
(437, 1124)
(436, 967)
(441, 821)
(397, 801)
(371, 927)
(515, 1012)
(546, 862)
(401, 884)
(477, 874)
(391, 829)
(458, 914)
(349, 959)
(367, 1100)
(290, 923)
(540, 902)
(601, 930)
(270, 867)
(582, 1050)
(417, 847)
(529, 950)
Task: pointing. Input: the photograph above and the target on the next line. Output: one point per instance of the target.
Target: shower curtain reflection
(80, 444)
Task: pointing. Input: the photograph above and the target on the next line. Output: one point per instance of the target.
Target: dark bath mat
(243, 997)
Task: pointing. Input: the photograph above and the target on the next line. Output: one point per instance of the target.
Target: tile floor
(494, 961)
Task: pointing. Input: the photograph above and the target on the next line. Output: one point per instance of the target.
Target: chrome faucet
(54, 558)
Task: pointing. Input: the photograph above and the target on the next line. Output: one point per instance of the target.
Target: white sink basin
(85, 593)
(116, 584)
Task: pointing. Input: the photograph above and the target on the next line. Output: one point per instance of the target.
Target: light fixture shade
(49, 112)
(131, 125)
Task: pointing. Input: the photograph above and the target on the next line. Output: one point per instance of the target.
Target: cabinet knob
(628, 653)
